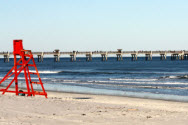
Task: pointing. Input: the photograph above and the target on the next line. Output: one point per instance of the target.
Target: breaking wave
(43, 72)
(175, 77)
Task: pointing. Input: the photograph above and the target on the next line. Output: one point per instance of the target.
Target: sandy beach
(84, 109)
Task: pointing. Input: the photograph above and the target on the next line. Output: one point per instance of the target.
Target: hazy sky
(45, 25)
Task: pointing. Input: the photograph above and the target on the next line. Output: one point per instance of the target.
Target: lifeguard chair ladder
(23, 65)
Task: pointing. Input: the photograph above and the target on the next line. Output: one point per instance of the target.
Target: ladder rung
(33, 73)
(19, 64)
(26, 64)
(2, 89)
(40, 93)
(31, 65)
(36, 83)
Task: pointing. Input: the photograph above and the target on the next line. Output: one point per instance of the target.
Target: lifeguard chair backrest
(18, 46)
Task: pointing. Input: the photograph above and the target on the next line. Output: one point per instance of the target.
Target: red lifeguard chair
(23, 65)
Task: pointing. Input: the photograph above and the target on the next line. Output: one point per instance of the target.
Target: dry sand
(83, 109)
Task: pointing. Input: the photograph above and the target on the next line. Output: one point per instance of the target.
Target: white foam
(41, 72)
(173, 77)
(71, 80)
(138, 82)
(45, 72)
(176, 77)
(124, 79)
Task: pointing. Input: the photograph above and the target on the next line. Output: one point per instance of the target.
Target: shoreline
(171, 100)
(117, 96)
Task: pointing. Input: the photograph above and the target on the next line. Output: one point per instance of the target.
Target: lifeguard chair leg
(33, 92)
(25, 74)
(39, 77)
(5, 77)
(8, 86)
(16, 75)
(20, 69)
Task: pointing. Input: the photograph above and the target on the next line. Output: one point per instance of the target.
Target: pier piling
(56, 55)
(73, 56)
(40, 57)
(178, 55)
(148, 57)
(134, 56)
(163, 57)
(89, 57)
(56, 58)
(6, 57)
(104, 57)
(175, 57)
(185, 56)
(119, 55)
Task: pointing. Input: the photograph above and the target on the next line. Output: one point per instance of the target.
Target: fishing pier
(175, 55)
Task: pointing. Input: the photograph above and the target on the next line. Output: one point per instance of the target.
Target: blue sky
(45, 25)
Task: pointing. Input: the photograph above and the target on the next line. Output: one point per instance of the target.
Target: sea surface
(166, 80)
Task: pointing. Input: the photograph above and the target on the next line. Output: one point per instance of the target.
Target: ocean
(156, 79)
